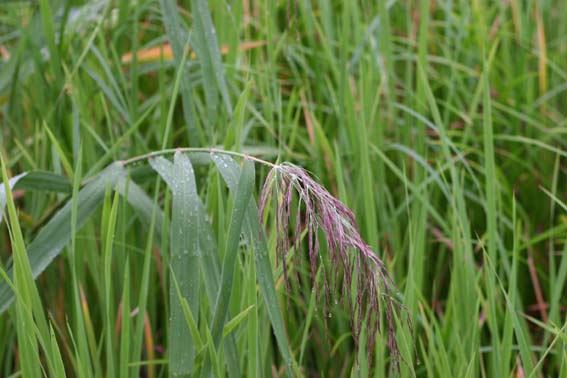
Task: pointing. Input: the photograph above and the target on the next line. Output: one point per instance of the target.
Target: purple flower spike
(348, 252)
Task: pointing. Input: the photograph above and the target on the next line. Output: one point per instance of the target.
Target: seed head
(348, 252)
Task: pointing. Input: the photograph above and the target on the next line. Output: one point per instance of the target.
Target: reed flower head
(352, 261)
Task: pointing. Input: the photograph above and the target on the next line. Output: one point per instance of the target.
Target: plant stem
(196, 149)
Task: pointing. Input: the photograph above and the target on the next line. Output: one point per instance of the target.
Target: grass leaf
(178, 37)
(240, 205)
(229, 170)
(57, 232)
(209, 54)
(185, 256)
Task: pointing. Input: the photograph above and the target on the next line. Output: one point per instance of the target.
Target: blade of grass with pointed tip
(57, 232)
(59, 367)
(60, 153)
(27, 344)
(178, 39)
(229, 170)
(491, 193)
(240, 205)
(110, 214)
(109, 94)
(79, 329)
(125, 331)
(31, 322)
(112, 87)
(209, 54)
(522, 337)
(235, 321)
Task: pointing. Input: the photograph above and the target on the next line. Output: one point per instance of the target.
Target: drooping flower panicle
(347, 250)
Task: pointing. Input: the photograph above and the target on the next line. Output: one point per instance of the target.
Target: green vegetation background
(442, 124)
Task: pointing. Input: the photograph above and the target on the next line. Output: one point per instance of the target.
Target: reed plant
(293, 188)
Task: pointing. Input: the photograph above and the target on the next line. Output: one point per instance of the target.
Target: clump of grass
(349, 253)
(457, 115)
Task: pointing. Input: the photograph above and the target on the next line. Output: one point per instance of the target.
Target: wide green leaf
(208, 250)
(184, 257)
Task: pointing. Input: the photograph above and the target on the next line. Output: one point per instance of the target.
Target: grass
(132, 165)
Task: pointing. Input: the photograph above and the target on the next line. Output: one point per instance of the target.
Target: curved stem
(196, 149)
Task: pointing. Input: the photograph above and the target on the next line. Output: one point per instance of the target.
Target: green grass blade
(109, 228)
(185, 256)
(213, 355)
(191, 322)
(44, 181)
(143, 205)
(60, 153)
(57, 232)
(151, 220)
(125, 334)
(11, 183)
(240, 205)
(210, 256)
(521, 336)
(178, 38)
(237, 320)
(491, 218)
(49, 32)
(230, 171)
(208, 52)
(35, 180)
(29, 306)
(58, 367)
(27, 343)
(254, 362)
